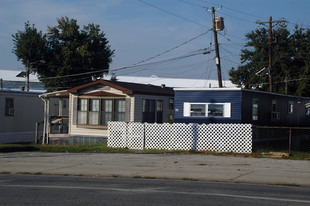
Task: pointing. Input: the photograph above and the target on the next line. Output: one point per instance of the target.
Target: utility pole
(27, 76)
(270, 42)
(217, 53)
(216, 45)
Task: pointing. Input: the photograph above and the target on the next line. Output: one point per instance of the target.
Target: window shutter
(227, 110)
(187, 109)
(74, 110)
(127, 111)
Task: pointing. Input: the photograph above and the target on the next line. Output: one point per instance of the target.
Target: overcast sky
(141, 29)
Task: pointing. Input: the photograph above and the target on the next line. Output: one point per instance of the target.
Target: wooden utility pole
(217, 53)
(270, 42)
(27, 76)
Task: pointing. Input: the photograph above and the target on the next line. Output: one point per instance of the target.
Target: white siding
(75, 130)
(28, 109)
(73, 127)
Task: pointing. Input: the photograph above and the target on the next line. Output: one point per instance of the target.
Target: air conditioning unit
(219, 23)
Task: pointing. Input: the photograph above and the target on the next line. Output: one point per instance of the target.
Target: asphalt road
(64, 190)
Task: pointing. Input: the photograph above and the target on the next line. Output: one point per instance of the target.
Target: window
(207, 109)
(107, 111)
(215, 110)
(159, 114)
(96, 112)
(255, 109)
(290, 107)
(275, 115)
(171, 103)
(198, 110)
(9, 107)
(82, 111)
(120, 110)
(152, 111)
(148, 111)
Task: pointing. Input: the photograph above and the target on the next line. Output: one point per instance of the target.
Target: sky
(165, 38)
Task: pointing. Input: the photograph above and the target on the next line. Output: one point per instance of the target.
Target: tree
(290, 61)
(29, 45)
(71, 56)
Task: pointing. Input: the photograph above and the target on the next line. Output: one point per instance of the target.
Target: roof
(21, 92)
(16, 75)
(175, 82)
(146, 88)
(207, 89)
(62, 93)
(240, 89)
(125, 87)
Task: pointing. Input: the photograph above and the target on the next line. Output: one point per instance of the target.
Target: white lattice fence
(170, 136)
(212, 137)
(158, 136)
(117, 134)
(225, 138)
(135, 134)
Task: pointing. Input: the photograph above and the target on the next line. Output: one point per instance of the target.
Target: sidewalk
(171, 166)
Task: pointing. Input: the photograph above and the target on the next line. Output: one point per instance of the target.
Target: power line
(241, 19)
(133, 65)
(176, 15)
(234, 10)
(193, 4)
(173, 48)
(278, 82)
(201, 51)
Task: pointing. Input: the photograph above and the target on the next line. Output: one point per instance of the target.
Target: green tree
(290, 61)
(71, 56)
(29, 45)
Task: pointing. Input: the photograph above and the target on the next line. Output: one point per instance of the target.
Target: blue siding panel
(215, 96)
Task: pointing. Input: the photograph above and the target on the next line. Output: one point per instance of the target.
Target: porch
(58, 129)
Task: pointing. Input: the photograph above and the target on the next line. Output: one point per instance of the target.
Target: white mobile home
(84, 111)
(19, 113)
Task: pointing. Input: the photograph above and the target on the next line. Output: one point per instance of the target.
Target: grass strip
(103, 148)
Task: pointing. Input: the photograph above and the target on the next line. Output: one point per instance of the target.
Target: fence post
(290, 142)
(144, 134)
(36, 133)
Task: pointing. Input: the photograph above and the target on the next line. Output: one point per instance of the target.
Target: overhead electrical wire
(191, 3)
(133, 65)
(198, 52)
(173, 14)
(173, 48)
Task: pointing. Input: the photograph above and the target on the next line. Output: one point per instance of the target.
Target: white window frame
(255, 109)
(290, 107)
(226, 112)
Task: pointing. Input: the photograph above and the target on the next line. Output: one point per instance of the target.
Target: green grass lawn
(102, 148)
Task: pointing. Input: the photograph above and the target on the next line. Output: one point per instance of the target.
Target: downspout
(44, 119)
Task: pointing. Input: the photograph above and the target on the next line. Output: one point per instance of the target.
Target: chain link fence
(281, 138)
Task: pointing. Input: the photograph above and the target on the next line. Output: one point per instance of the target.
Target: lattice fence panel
(117, 134)
(225, 138)
(158, 136)
(186, 137)
(212, 137)
(135, 135)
